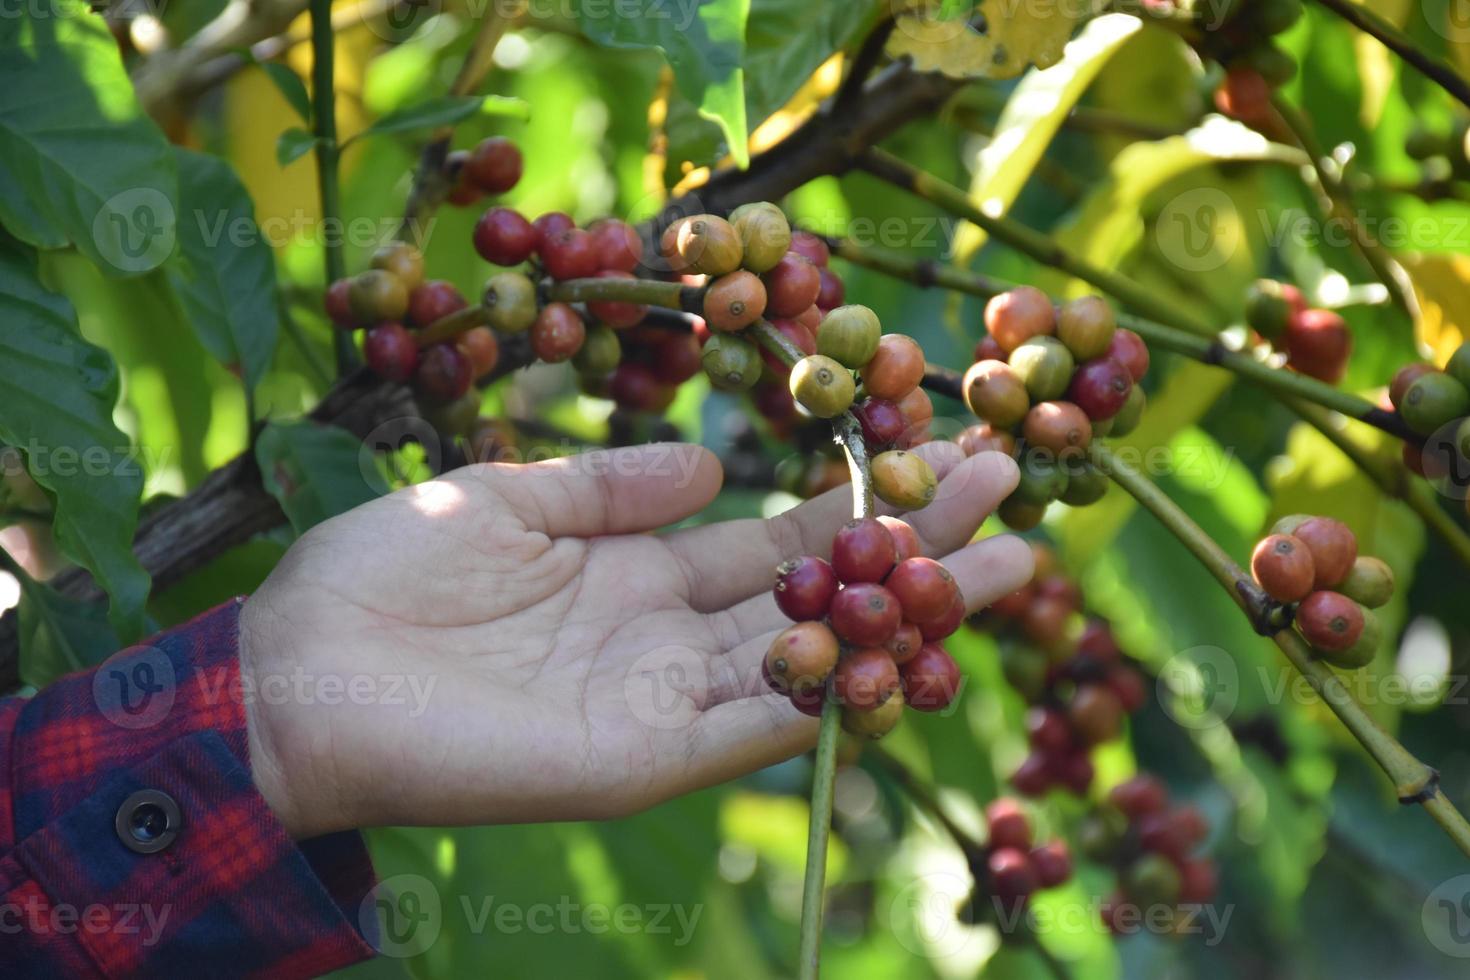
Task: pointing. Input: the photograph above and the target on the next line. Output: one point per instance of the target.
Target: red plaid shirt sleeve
(92, 884)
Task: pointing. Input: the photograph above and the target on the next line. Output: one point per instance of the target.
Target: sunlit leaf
(1015, 37)
(1442, 284)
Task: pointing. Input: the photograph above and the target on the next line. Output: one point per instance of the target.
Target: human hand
(567, 664)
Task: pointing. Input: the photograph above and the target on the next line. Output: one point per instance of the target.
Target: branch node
(1425, 793)
(926, 273)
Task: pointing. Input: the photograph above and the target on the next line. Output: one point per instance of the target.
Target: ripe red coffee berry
(548, 226)
(831, 292)
(1008, 823)
(1075, 771)
(805, 587)
(1139, 796)
(1098, 643)
(1012, 879)
(1048, 730)
(1129, 350)
(463, 191)
(617, 245)
(810, 702)
(337, 304)
(1096, 714)
(792, 285)
(433, 301)
(558, 333)
(480, 348)
(1402, 379)
(934, 630)
(391, 351)
(504, 237)
(443, 373)
(865, 614)
(1060, 428)
(1334, 548)
(1100, 388)
(1172, 833)
(865, 678)
(1128, 686)
(1017, 315)
(1034, 776)
(569, 254)
(813, 248)
(676, 359)
(1198, 881)
(1053, 863)
(905, 538)
(1282, 565)
(931, 679)
(904, 643)
(1318, 344)
(1330, 620)
(616, 313)
(924, 587)
(896, 368)
(882, 421)
(494, 165)
(1244, 95)
(988, 350)
(634, 387)
(863, 550)
(1045, 621)
(801, 657)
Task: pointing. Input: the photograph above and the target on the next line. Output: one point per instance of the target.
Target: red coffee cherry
(1012, 879)
(391, 351)
(1053, 863)
(1008, 823)
(809, 702)
(882, 421)
(896, 369)
(1100, 388)
(1017, 315)
(1139, 796)
(615, 313)
(917, 408)
(443, 373)
(801, 657)
(735, 301)
(1097, 642)
(805, 587)
(1048, 730)
(1034, 776)
(934, 630)
(464, 191)
(986, 438)
(494, 165)
(337, 304)
(1402, 379)
(676, 359)
(931, 679)
(480, 348)
(1054, 585)
(904, 644)
(831, 292)
(569, 254)
(633, 387)
(1045, 621)
(1334, 548)
(792, 285)
(1244, 95)
(865, 614)
(1060, 428)
(989, 350)
(1318, 344)
(433, 301)
(863, 551)
(617, 245)
(1075, 771)
(806, 244)
(1329, 620)
(1096, 714)
(558, 333)
(548, 226)
(924, 587)
(1128, 686)
(504, 237)
(1129, 350)
(1173, 833)
(1282, 566)
(905, 538)
(865, 678)
(1198, 881)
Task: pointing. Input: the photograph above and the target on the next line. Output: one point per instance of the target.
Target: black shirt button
(148, 821)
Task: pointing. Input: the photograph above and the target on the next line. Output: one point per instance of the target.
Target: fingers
(617, 491)
(734, 739)
(730, 562)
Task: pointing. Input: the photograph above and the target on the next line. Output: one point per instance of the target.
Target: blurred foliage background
(1322, 872)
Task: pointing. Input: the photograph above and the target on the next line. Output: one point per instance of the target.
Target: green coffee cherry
(1363, 650)
(1458, 366)
(1086, 484)
(1025, 669)
(1423, 143)
(1369, 583)
(1045, 366)
(1019, 515)
(1152, 880)
(510, 302)
(1274, 65)
(822, 386)
(1433, 400)
(1266, 309)
(376, 295)
(1289, 523)
(1086, 326)
(732, 363)
(1130, 414)
(764, 232)
(600, 353)
(849, 335)
(1042, 479)
(1275, 16)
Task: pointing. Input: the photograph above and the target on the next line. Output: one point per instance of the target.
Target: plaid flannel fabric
(230, 896)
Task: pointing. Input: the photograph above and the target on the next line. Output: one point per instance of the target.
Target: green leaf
(57, 394)
(292, 145)
(59, 635)
(704, 43)
(291, 87)
(83, 165)
(445, 111)
(316, 471)
(226, 276)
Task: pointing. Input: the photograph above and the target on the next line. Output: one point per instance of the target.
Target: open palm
(508, 644)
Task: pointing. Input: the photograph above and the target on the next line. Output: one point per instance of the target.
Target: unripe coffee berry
(1267, 309)
(731, 363)
(1329, 621)
(735, 301)
(600, 353)
(1369, 582)
(617, 314)
(1100, 388)
(509, 302)
(865, 614)
(882, 421)
(924, 587)
(558, 333)
(986, 438)
(1086, 325)
(1363, 649)
(1017, 315)
(801, 657)
(480, 348)
(494, 165)
(443, 373)
(805, 587)
(792, 285)
(1403, 378)
(1129, 350)
(1086, 484)
(433, 301)
(903, 479)
(1060, 428)
(1432, 401)
(569, 254)
(708, 245)
(617, 244)
(863, 550)
(391, 351)
(849, 335)
(1334, 548)
(338, 304)
(996, 393)
(401, 259)
(764, 232)
(865, 678)
(1152, 880)
(1282, 566)
(504, 237)
(1018, 515)
(895, 369)
(876, 723)
(1130, 414)
(375, 295)
(931, 679)
(1045, 366)
(822, 386)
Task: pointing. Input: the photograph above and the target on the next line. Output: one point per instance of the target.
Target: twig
(328, 153)
(863, 64)
(1364, 19)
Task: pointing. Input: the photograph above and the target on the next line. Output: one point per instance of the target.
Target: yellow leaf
(1442, 286)
(1016, 37)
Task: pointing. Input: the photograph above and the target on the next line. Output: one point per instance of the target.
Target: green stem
(451, 326)
(324, 117)
(1028, 240)
(1414, 782)
(1364, 19)
(1208, 350)
(649, 292)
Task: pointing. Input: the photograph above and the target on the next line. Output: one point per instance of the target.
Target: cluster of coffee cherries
(1316, 342)
(1046, 381)
(1313, 564)
(1013, 866)
(868, 630)
(1254, 64)
(1152, 845)
(1435, 403)
(1445, 152)
(1071, 671)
